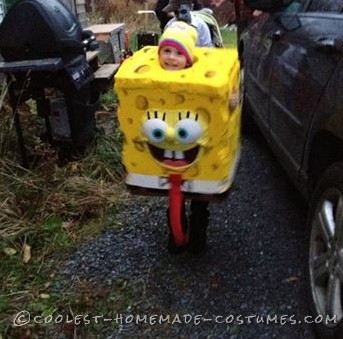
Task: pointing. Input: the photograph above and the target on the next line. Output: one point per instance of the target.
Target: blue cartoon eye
(154, 130)
(188, 131)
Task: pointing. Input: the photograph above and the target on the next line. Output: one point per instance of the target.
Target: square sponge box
(180, 122)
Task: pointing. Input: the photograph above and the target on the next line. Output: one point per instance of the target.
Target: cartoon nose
(170, 134)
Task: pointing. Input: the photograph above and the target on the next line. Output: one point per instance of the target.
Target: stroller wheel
(199, 219)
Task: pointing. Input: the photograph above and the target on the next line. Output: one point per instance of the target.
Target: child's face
(171, 59)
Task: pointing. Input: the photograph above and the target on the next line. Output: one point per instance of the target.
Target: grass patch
(48, 210)
(229, 38)
(108, 101)
(125, 11)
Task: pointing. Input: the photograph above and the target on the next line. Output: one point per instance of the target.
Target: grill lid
(36, 29)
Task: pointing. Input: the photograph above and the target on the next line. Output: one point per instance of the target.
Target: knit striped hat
(181, 36)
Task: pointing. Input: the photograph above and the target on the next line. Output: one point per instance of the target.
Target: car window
(326, 6)
(294, 7)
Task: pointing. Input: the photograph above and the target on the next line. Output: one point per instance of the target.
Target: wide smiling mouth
(174, 158)
(170, 66)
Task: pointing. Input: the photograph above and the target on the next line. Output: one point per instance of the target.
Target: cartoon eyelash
(156, 115)
(188, 115)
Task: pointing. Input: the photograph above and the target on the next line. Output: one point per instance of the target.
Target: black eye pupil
(182, 133)
(158, 134)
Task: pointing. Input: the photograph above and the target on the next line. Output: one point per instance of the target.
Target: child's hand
(233, 102)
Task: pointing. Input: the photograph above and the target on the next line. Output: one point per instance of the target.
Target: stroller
(199, 164)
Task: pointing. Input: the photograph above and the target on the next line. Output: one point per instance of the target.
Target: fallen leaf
(44, 296)
(26, 253)
(291, 279)
(75, 167)
(66, 224)
(9, 251)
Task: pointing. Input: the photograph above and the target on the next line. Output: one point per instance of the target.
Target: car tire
(247, 124)
(325, 253)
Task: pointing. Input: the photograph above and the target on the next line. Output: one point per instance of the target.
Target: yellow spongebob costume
(180, 121)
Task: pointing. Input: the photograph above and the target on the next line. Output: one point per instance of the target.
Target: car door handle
(326, 45)
(276, 35)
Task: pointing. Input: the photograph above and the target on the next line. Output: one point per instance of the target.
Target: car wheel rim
(326, 257)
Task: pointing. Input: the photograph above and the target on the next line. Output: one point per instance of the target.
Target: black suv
(292, 70)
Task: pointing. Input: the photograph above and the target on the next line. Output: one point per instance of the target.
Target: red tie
(175, 210)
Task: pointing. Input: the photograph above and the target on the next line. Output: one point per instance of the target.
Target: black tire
(198, 226)
(245, 109)
(325, 253)
(248, 125)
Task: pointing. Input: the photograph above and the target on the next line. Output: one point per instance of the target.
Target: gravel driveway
(253, 264)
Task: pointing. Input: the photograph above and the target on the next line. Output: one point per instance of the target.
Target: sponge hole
(142, 69)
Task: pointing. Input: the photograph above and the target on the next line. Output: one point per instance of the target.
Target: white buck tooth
(168, 154)
(179, 155)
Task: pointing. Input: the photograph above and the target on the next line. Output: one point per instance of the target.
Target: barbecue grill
(44, 51)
